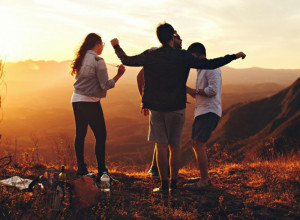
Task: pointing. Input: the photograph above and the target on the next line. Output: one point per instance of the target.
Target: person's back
(87, 78)
(165, 78)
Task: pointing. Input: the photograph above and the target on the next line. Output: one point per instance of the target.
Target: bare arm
(140, 81)
(120, 73)
(191, 92)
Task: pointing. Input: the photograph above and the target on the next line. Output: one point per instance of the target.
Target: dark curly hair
(89, 43)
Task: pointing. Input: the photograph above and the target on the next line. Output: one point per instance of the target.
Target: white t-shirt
(83, 98)
(211, 82)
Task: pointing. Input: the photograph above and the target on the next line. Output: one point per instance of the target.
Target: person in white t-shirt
(208, 111)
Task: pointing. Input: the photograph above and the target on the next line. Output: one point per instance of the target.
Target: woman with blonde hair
(91, 85)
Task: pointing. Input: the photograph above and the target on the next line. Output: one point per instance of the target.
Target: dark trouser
(90, 113)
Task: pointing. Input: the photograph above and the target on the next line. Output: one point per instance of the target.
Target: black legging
(90, 113)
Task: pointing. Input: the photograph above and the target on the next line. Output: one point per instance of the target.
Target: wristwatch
(197, 91)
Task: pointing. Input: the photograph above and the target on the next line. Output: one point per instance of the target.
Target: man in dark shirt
(153, 171)
(166, 70)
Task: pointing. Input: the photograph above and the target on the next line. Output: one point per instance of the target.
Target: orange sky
(267, 31)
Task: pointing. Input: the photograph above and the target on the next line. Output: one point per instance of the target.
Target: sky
(266, 30)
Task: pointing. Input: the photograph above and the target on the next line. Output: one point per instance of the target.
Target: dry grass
(268, 189)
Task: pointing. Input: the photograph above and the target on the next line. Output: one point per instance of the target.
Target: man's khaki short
(166, 127)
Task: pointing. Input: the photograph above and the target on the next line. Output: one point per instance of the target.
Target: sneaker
(161, 190)
(153, 171)
(82, 170)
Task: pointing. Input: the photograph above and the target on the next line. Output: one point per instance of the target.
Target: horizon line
(109, 63)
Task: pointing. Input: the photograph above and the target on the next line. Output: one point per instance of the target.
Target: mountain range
(37, 104)
(262, 128)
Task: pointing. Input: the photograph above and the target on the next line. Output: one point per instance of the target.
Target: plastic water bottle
(62, 175)
(60, 190)
(105, 182)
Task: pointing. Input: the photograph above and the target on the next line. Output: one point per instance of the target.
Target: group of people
(162, 85)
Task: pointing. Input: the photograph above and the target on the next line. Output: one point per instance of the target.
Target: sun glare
(9, 41)
(50, 29)
(7, 44)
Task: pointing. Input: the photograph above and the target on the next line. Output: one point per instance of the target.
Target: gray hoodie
(92, 78)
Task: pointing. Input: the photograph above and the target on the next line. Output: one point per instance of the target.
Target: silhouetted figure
(208, 111)
(153, 171)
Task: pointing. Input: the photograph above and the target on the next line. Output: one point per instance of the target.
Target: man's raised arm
(137, 60)
(203, 63)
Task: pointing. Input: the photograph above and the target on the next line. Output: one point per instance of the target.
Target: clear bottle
(60, 190)
(105, 182)
(62, 175)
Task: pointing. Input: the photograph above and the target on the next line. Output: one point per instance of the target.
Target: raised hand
(121, 70)
(120, 73)
(114, 41)
(240, 55)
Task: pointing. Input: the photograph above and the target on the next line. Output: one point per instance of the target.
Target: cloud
(255, 25)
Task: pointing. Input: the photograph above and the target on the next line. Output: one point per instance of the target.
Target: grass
(255, 190)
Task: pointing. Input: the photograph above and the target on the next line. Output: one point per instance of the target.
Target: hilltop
(53, 72)
(239, 191)
(263, 128)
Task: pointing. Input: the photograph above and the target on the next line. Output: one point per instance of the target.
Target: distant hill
(254, 75)
(259, 75)
(262, 128)
(234, 93)
(58, 72)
